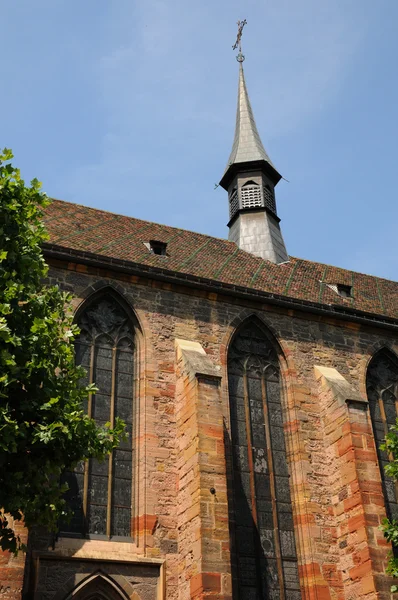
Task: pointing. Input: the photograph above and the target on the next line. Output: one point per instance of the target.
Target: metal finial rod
(238, 43)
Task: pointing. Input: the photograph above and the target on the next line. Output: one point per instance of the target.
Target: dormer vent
(157, 247)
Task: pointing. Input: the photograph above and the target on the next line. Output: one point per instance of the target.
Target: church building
(256, 389)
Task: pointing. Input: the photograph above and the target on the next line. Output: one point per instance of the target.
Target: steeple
(250, 179)
(247, 146)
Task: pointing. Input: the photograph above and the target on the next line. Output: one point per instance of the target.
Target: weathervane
(240, 58)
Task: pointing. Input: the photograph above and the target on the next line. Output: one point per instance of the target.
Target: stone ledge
(343, 391)
(197, 361)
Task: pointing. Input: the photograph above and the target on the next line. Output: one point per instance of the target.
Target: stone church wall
(182, 416)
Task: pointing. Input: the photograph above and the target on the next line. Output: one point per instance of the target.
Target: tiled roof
(80, 228)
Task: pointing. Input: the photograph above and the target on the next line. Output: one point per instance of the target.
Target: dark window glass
(100, 493)
(382, 390)
(263, 549)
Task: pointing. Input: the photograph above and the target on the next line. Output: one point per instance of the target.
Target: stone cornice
(132, 268)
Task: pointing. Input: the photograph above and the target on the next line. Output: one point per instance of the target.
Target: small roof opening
(157, 247)
(344, 290)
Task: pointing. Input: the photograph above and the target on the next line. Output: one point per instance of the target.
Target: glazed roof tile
(80, 228)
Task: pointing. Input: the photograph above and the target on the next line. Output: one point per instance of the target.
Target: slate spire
(250, 179)
(247, 146)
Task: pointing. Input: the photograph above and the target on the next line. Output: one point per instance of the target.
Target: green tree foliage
(43, 427)
(390, 526)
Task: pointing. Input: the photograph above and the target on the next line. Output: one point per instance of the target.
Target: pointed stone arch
(250, 182)
(257, 316)
(248, 317)
(114, 291)
(367, 356)
(264, 560)
(382, 392)
(98, 586)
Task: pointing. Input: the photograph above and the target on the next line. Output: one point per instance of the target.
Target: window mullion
(383, 414)
(270, 460)
(251, 475)
(386, 429)
(249, 448)
(89, 412)
(385, 424)
(110, 459)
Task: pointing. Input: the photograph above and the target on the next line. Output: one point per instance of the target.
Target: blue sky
(129, 106)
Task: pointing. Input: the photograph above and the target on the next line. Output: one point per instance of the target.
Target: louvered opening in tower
(233, 203)
(269, 198)
(251, 195)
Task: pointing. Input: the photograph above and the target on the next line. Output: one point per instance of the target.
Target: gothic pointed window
(100, 493)
(263, 544)
(382, 390)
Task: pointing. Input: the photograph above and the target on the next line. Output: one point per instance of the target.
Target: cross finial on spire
(240, 58)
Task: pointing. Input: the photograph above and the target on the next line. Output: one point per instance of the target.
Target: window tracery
(100, 493)
(263, 549)
(382, 390)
